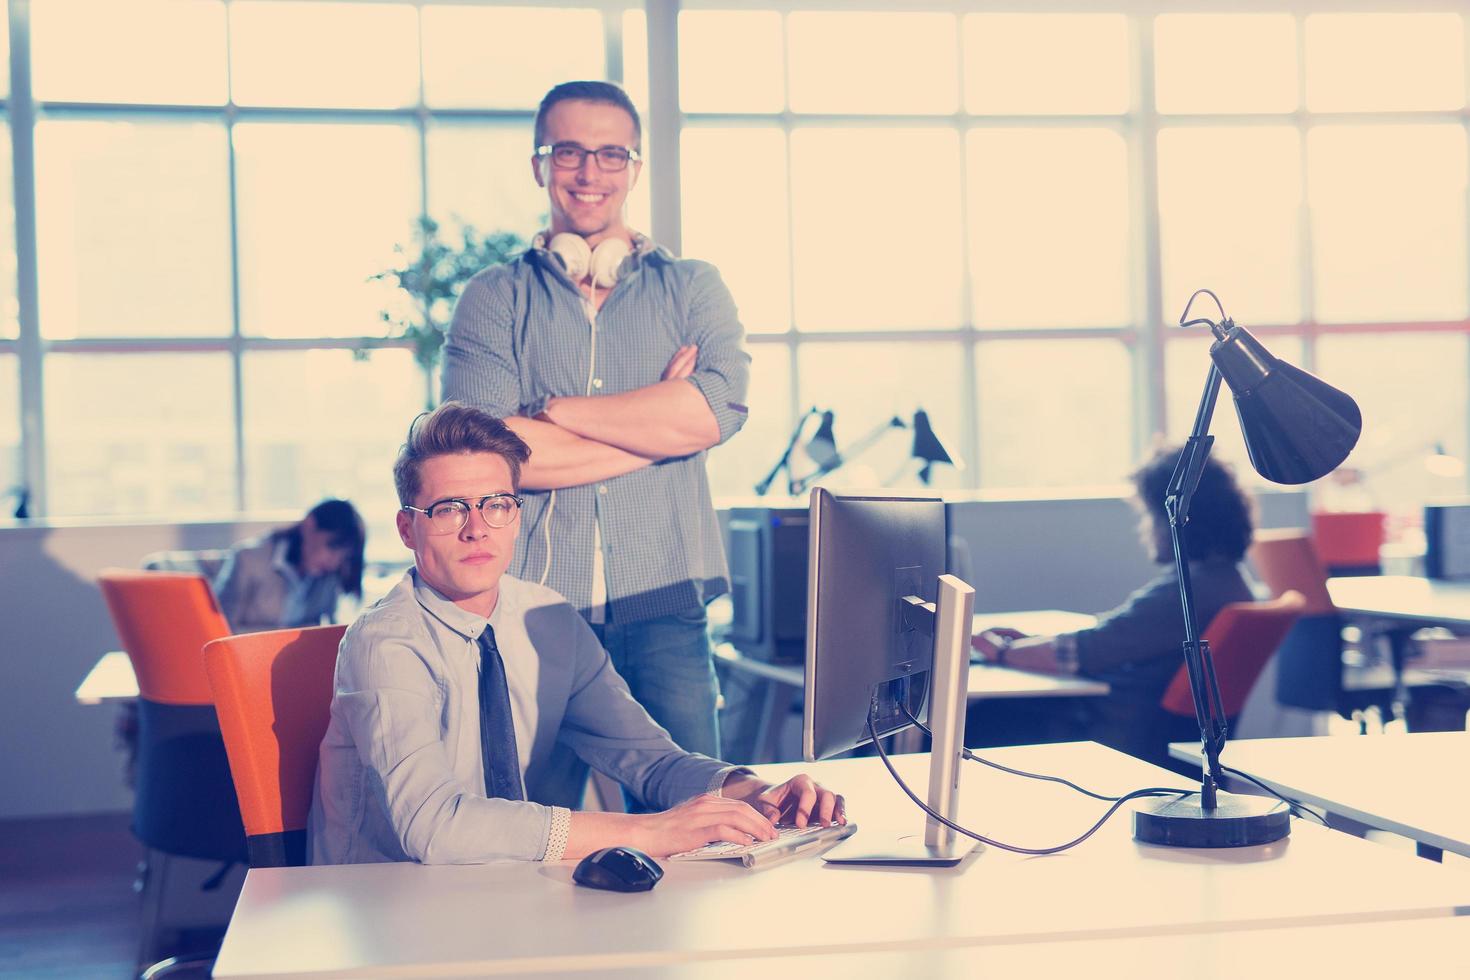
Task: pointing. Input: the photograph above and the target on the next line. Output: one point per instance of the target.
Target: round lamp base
(1237, 821)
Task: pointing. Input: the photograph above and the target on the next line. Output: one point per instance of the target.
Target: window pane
(164, 445)
(160, 51)
(1230, 218)
(1388, 221)
(1406, 410)
(1189, 47)
(730, 61)
(896, 380)
(736, 466)
(352, 55)
(505, 57)
(9, 308)
(1363, 62)
(482, 175)
(872, 62)
(740, 227)
(10, 463)
(876, 228)
(1011, 63)
(359, 411)
(1048, 227)
(133, 228)
(321, 207)
(635, 82)
(1186, 364)
(1053, 412)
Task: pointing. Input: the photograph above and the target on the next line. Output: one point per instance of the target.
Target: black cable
(1293, 805)
(1033, 775)
(882, 754)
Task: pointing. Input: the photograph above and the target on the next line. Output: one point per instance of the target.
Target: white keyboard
(789, 841)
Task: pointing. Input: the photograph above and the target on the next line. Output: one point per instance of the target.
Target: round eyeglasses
(569, 156)
(449, 516)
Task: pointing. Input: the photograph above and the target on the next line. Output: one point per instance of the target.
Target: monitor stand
(938, 846)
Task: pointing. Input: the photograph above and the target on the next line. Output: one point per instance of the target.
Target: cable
(1294, 805)
(1021, 772)
(1136, 794)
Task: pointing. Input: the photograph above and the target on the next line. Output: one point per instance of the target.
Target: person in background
(1137, 647)
(295, 575)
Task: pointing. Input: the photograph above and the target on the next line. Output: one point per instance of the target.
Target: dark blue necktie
(497, 728)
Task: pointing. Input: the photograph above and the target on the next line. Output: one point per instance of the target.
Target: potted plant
(433, 277)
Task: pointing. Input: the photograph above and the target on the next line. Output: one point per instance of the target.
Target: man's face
(587, 201)
(466, 565)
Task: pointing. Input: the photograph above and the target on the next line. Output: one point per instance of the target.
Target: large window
(990, 215)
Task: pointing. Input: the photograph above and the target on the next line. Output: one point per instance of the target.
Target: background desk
(781, 681)
(406, 919)
(110, 681)
(1411, 784)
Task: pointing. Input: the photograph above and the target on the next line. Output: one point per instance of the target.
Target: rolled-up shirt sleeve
(390, 704)
(722, 370)
(479, 356)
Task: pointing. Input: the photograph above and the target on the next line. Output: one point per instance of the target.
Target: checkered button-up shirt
(521, 335)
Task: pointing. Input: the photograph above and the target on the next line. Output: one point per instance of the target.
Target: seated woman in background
(1137, 647)
(294, 576)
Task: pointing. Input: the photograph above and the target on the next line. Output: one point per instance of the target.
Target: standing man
(620, 366)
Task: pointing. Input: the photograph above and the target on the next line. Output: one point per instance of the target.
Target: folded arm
(667, 418)
(561, 458)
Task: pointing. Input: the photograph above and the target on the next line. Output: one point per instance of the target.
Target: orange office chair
(1242, 637)
(1348, 542)
(184, 804)
(273, 691)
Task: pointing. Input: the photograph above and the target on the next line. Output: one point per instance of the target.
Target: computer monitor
(887, 629)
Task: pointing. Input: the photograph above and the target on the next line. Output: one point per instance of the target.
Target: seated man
(452, 691)
(1138, 647)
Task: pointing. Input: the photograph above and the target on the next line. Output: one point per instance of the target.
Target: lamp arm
(1198, 664)
(860, 446)
(765, 484)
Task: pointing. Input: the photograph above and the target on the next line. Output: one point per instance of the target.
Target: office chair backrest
(163, 620)
(1347, 542)
(273, 692)
(1242, 637)
(1286, 561)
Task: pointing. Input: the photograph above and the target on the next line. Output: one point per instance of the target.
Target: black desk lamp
(1297, 429)
(784, 463)
(928, 449)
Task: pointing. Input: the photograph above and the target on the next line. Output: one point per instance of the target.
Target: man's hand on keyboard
(699, 820)
(799, 801)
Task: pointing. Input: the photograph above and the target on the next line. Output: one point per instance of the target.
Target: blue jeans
(669, 667)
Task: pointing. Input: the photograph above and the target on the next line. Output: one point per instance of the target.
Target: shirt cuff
(1065, 649)
(556, 837)
(730, 416)
(717, 783)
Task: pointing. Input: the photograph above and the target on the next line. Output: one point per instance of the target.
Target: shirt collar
(644, 248)
(442, 608)
(281, 564)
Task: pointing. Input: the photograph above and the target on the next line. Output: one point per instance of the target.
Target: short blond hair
(453, 429)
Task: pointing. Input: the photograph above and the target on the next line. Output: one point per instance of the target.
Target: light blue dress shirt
(400, 776)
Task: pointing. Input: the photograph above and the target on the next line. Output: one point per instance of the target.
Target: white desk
(111, 680)
(1034, 622)
(1403, 600)
(1408, 784)
(412, 920)
(1436, 948)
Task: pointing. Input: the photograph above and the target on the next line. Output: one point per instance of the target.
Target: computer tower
(768, 572)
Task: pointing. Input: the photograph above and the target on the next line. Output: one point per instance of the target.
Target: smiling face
(587, 201)
(465, 566)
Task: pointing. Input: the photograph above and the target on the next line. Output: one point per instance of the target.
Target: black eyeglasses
(448, 516)
(569, 156)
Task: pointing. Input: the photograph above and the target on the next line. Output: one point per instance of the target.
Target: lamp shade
(1297, 427)
(822, 447)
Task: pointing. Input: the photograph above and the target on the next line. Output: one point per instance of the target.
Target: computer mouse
(618, 869)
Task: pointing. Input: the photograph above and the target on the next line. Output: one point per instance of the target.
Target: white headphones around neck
(604, 262)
